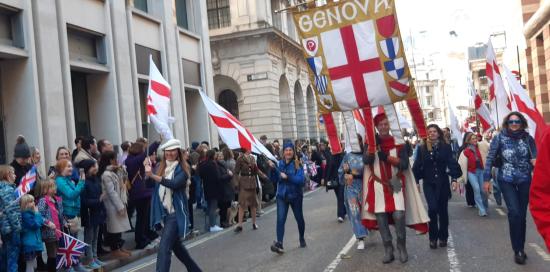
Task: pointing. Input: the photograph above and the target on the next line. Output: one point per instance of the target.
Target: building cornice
(537, 22)
(255, 32)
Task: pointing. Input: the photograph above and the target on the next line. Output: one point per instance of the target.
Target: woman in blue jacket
(290, 193)
(517, 153)
(430, 166)
(169, 209)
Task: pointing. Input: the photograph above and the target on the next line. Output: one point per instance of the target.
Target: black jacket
(20, 171)
(211, 180)
(228, 194)
(432, 166)
(92, 209)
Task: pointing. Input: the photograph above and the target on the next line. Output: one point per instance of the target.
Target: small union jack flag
(70, 249)
(27, 183)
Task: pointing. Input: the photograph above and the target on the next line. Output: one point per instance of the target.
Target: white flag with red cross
(522, 102)
(232, 132)
(498, 98)
(483, 113)
(158, 102)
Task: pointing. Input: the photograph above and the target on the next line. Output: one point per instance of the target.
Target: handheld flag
(69, 251)
(158, 102)
(500, 105)
(27, 183)
(232, 132)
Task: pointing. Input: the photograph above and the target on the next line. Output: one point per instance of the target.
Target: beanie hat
(194, 145)
(21, 149)
(288, 145)
(86, 164)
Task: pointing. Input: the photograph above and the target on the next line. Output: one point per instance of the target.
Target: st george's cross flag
(27, 183)
(498, 98)
(158, 102)
(521, 102)
(69, 251)
(355, 54)
(232, 132)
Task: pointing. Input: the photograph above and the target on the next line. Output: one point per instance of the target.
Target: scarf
(54, 213)
(518, 134)
(165, 193)
(431, 144)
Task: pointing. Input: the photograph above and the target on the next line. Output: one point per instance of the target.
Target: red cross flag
(498, 99)
(232, 132)
(158, 102)
(355, 54)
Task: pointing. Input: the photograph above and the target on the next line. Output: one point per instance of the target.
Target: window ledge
(89, 67)
(12, 52)
(145, 15)
(189, 33)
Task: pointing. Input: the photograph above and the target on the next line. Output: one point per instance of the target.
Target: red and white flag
(483, 113)
(158, 102)
(498, 99)
(232, 132)
(522, 102)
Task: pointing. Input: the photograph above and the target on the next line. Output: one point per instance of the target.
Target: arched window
(228, 100)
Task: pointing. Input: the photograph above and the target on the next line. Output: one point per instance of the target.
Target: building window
(11, 27)
(81, 107)
(142, 59)
(228, 100)
(429, 101)
(86, 46)
(141, 5)
(143, 88)
(191, 72)
(428, 90)
(181, 13)
(276, 17)
(430, 115)
(218, 14)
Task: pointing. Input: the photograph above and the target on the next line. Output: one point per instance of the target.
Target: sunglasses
(514, 122)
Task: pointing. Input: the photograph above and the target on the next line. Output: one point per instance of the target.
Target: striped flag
(27, 183)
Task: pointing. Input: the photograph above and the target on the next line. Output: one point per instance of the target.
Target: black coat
(432, 166)
(20, 171)
(333, 163)
(228, 191)
(92, 209)
(211, 180)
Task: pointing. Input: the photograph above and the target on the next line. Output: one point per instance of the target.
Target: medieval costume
(390, 191)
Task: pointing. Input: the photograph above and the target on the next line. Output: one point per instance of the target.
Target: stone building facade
(260, 74)
(80, 67)
(536, 19)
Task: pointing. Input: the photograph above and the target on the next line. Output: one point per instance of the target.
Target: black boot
(401, 233)
(388, 253)
(520, 257)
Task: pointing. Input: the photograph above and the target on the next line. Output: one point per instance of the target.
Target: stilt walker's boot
(401, 233)
(384, 228)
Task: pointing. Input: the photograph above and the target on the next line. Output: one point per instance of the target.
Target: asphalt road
(476, 244)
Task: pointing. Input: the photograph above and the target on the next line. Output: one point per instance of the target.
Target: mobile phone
(81, 171)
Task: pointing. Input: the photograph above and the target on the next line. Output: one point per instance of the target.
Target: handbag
(74, 224)
(129, 183)
(332, 184)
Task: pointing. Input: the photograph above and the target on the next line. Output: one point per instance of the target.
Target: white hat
(171, 145)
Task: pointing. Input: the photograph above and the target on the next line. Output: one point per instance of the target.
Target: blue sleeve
(298, 177)
(493, 148)
(418, 165)
(275, 175)
(454, 168)
(64, 190)
(341, 168)
(76, 174)
(533, 147)
(177, 182)
(32, 221)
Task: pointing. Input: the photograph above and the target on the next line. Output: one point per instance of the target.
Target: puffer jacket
(516, 151)
(70, 194)
(31, 236)
(10, 220)
(293, 186)
(49, 235)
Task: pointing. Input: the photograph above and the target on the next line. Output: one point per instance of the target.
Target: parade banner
(355, 54)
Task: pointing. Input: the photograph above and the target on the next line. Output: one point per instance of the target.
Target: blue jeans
(170, 241)
(198, 191)
(9, 253)
(516, 197)
(476, 180)
(90, 238)
(353, 199)
(212, 213)
(497, 193)
(282, 211)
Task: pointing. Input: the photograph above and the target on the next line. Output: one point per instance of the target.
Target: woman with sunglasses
(513, 151)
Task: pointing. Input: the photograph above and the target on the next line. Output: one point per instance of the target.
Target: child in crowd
(31, 237)
(51, 209)
(10, 220)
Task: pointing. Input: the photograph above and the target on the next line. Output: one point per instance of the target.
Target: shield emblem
(311, 45)
(400, 87)
(395, 67)
(315, 64)
(390, 47)
(326, 101)
(321, 84)
(386, 26)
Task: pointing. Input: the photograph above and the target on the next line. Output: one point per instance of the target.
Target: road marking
(540, 251)
(210, 237)
(500, 211)
(332, 266)
(451, 255)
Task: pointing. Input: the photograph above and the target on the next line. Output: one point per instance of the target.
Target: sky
(472, 20)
